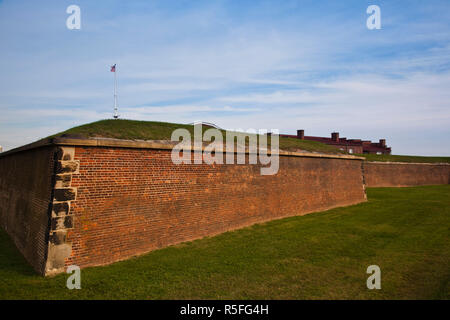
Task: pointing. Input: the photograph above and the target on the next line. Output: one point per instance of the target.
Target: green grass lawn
(153, 130)
(399, 158)
(322, 255)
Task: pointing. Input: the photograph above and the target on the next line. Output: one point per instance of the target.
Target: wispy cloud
(263, 64)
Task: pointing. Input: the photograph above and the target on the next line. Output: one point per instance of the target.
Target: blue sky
(283, 65)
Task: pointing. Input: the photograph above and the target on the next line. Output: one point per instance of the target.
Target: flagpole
(115, 92)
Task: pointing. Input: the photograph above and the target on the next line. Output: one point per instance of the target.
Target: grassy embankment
(398, 158)
(152, 130)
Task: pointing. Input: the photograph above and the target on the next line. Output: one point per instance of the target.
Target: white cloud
(182, 109)
(319, 74)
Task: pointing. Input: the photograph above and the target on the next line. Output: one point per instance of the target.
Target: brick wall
(391, 174)
(93, 202)
(25, 193)
(130, 201)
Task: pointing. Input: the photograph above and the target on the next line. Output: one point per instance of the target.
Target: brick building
(349, 145)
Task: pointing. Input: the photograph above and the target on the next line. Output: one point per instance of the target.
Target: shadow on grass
(12, 263)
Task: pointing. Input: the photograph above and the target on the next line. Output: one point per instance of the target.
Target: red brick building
(349, 145)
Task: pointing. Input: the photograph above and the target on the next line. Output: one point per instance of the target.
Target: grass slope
(399, 158)
(323, 255)
(152, 130)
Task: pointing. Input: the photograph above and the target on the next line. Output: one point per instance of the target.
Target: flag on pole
(113, 69)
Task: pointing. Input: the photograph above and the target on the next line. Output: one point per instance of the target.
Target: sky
(285, 65)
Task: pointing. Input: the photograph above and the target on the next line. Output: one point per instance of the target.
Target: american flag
(113, 68)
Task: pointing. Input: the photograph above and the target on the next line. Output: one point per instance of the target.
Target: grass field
(152, 130)
(398, 158)
(322, 255)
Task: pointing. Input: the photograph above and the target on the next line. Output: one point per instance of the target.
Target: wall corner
(60, 216)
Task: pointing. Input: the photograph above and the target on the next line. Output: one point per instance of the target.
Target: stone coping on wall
(153, 144)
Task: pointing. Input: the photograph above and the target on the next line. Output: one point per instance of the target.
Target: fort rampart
(401, 174)
(96, 201)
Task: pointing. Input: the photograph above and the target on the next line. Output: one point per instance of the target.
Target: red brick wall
(25, 193)
(379, 174)
(131, 201)
(96, 205)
